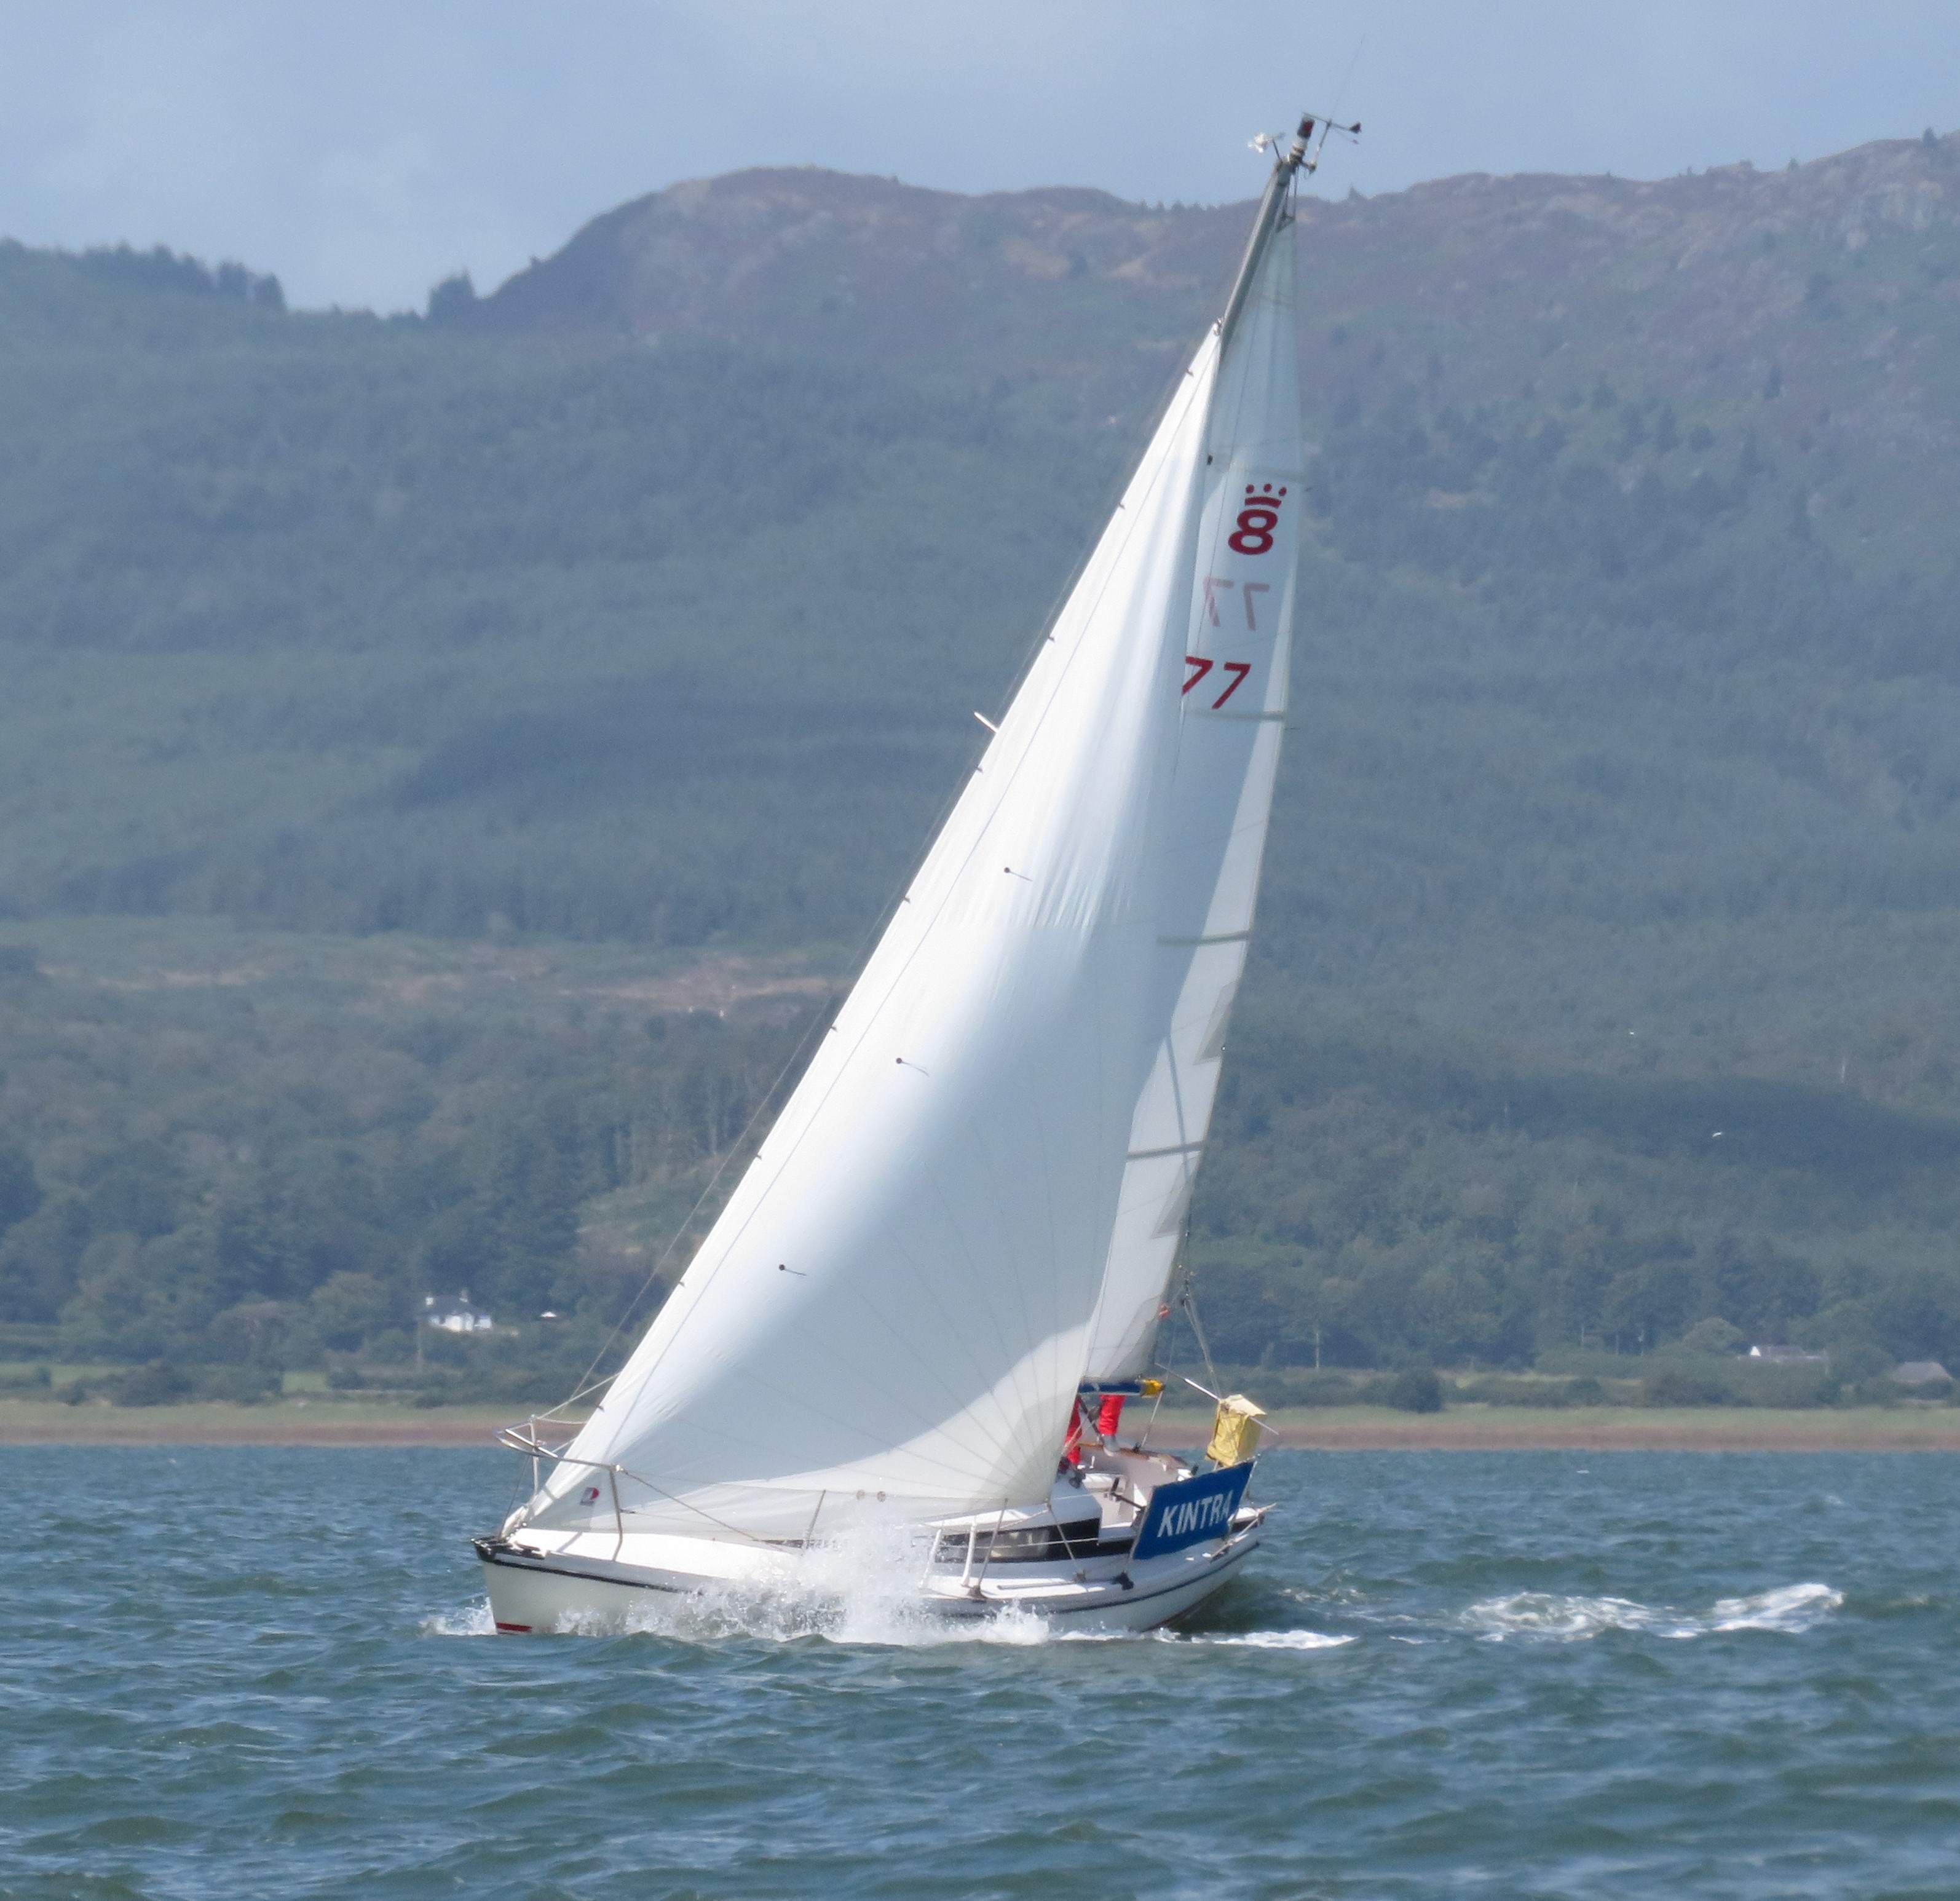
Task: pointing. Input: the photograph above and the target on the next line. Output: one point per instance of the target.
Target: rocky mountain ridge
(1812, 314)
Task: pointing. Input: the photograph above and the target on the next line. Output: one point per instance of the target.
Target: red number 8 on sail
(1257, 520)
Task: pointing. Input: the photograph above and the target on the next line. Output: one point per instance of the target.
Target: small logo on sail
(1256, 519)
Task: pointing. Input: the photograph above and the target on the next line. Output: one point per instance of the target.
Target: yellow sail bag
(1234, 1430)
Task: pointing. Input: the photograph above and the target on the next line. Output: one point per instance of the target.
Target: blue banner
(1191, 1510)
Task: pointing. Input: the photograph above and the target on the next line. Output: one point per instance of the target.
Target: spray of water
(860, 1586)
(473, 1621)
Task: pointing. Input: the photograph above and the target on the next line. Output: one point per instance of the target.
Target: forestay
(973, 1196)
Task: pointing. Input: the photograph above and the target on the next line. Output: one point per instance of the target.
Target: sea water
(234, 1672)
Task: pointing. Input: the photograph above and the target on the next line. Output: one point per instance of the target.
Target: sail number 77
(1238, 669)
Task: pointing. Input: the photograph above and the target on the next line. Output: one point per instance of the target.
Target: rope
(1188, 1300)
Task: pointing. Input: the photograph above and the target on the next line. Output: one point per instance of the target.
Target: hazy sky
(364, 150)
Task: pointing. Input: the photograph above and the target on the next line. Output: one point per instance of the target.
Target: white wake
(1275, 1640)
(1549, 1615)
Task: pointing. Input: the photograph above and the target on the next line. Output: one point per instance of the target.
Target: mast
(1272, 208)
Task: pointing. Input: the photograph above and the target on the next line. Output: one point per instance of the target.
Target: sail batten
(971, 1200)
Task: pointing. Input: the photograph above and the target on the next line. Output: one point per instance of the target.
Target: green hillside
(419, 732)
(494, 639)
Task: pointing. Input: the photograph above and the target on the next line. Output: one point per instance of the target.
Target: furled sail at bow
(970, 1200)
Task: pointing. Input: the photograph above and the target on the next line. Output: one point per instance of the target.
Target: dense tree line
(205, 1178)
(1379, 1195)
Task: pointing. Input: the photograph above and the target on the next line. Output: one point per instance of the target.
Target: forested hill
(360, 671)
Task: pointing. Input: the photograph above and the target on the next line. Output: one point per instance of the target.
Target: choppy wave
(307, 1730)
(1556, 1617)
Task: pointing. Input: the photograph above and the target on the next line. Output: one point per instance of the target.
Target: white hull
(579, 1586)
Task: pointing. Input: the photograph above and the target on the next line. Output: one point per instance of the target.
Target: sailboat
(921, 1312)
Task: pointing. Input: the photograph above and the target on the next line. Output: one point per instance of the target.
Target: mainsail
(973, 1198)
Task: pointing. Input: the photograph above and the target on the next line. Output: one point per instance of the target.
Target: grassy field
(302, 1421)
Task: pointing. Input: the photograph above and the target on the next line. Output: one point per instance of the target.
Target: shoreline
(1465, 1428)
(1481, 1428)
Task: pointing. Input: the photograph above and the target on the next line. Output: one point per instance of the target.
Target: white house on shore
(1919, 1372)
(454, 1316)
